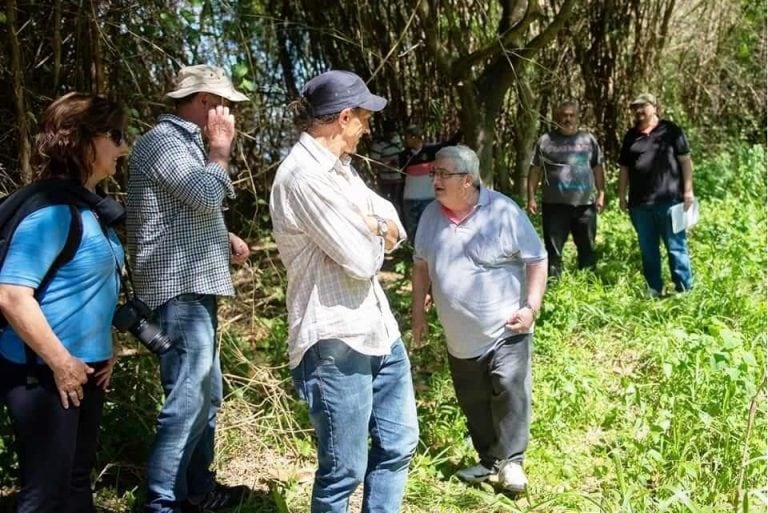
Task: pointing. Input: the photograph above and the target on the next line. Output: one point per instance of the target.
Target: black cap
(336, 90)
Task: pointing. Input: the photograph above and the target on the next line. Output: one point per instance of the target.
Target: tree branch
(549, 33)
(507, 38)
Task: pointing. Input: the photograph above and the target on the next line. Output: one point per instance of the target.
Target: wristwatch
(532, 309)
(383, 227)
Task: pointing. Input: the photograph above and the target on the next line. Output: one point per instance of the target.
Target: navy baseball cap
(336, 90)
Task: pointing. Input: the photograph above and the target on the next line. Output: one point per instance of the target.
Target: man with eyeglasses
(181, 252)
(487, 269)
(571, 163)
(655, 164)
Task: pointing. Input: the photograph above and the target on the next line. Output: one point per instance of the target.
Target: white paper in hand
(682, 219)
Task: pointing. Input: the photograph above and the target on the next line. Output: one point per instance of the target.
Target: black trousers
(494, 392)
(56, 448)
(558, 221)
(393, 192)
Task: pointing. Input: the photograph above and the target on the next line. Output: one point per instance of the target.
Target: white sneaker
(475, 474)
(512, 477)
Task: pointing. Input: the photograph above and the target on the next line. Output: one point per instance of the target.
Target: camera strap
(127, 278)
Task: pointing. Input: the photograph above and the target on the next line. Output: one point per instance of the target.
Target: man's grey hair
(464, 159)
(568, 103)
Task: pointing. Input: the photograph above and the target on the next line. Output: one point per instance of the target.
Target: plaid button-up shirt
(318, 204)
(177, 238)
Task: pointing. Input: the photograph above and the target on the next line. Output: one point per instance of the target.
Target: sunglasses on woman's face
(117, 136)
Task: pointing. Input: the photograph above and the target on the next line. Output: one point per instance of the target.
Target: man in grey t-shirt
(572, 165)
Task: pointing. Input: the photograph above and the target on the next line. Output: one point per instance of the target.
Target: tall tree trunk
(17, 71)
(56, 46)
(505, 61)
(98, 81)
(491, 89)
(284, 56)
(525, 129)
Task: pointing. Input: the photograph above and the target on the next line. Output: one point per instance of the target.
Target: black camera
(134, 317)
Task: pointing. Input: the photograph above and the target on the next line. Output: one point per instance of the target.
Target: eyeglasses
(117, 136)
(443, 174)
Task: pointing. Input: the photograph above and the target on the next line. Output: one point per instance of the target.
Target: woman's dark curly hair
(64, 146)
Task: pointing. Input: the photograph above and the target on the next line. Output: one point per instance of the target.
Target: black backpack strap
(67, 253)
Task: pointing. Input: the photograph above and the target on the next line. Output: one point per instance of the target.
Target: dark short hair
(303, 119)
(414, 130)
(389, 126)
(64, 144)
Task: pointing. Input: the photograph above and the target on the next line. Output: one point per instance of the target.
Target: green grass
(639, 405)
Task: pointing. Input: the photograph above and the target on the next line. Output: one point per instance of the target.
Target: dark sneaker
(221, 498)
(476, 473)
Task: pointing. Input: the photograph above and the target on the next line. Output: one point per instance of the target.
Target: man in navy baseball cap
(345, 353)
(336, 90)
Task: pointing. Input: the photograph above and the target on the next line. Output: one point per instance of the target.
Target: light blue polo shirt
(80, 300)
(477, 269)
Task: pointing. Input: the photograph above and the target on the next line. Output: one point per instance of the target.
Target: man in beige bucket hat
(206, 79)
(181, 250)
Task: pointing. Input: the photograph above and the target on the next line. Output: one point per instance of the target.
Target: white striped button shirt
(318, 204)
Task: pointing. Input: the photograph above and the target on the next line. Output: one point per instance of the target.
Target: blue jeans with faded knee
(182, 453)
(653, 224)
(353, 398)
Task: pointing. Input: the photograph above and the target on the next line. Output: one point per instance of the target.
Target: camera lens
(133, 317)
(152, 337)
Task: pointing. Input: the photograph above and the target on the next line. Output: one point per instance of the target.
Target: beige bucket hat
(203, 78)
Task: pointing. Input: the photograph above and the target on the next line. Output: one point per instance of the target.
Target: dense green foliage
(639, 405)
(496, 69)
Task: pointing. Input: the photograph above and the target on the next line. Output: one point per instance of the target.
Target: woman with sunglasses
(67, 324)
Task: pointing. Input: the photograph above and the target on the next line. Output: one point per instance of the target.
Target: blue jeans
(653, 222)
(182, 453)
(352, 396)
(412, 210)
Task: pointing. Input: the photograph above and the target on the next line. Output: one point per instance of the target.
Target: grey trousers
(494, 392)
